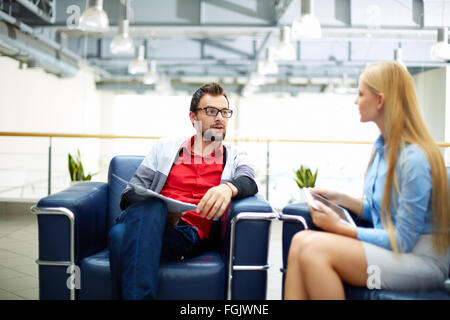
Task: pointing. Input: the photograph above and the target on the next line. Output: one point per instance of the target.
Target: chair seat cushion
(355, 293)
(199, 278)
(95, 277)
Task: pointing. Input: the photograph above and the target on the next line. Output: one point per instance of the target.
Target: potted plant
(305, 179)
(76, 170)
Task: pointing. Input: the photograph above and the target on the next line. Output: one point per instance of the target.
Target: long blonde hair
(404, 125)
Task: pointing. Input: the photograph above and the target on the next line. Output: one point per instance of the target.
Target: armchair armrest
(295, 217)
(245, 243)
(72, 223)
(296, 211)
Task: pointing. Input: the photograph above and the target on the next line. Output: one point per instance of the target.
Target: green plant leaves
(305, 178)
(76, 170)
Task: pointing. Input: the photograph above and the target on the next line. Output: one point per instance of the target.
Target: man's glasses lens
(211, 111)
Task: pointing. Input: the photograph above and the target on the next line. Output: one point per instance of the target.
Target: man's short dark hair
(214, 89)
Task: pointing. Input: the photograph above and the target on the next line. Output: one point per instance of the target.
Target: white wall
(431, 93)
(35, 101)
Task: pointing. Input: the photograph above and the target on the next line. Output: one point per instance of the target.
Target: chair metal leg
(258, 216)
(69, 214)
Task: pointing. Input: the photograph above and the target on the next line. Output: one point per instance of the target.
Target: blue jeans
(146, 242)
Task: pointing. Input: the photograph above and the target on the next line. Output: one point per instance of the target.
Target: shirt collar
(379, 143)
(187, 147)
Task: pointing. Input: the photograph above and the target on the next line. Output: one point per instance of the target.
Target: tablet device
(343, 213)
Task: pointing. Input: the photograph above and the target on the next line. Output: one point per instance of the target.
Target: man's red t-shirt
(190, 178)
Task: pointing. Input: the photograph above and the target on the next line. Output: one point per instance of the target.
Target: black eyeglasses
(212, 111)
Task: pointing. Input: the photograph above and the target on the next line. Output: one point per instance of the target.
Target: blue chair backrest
(123, 167)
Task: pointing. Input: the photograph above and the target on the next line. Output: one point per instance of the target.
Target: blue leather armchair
(296, 217)
(74, 259)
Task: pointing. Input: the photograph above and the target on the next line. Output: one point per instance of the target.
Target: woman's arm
(410, 205)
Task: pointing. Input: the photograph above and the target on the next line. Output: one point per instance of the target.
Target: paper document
(342, 212)
(173, 205)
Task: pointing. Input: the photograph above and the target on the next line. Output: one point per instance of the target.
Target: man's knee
(147, 210)
(115, 234)
(150, 205)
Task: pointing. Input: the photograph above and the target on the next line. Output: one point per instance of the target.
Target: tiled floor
(18, 253)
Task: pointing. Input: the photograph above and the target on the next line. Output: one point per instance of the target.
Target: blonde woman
(406, 199)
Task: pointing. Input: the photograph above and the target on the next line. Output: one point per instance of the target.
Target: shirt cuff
(246, 187)
(378, 237)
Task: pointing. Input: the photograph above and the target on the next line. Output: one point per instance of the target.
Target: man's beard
(213, 134)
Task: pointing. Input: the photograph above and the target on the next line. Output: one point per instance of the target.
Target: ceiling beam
(236, 8)
(343, 11)
(44, 9)
(281, 6)
(418, 13)
(257, 31)
(222, 46)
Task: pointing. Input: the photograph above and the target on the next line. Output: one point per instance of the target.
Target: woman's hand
(324, 217)
(331, 195)
(353, 204)
(330, 221)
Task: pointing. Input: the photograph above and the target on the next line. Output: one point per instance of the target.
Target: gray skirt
(420, 269)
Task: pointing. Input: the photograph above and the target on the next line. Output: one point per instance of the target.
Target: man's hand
(216, 200)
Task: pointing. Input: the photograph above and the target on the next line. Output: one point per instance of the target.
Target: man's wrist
(234, 190)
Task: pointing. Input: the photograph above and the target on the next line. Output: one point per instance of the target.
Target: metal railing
(267, 142)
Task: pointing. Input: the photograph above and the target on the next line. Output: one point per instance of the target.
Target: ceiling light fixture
(152, 76)
(164, 86)
(256, 79)
(248, 90)
(307, 26)
(94, 18)
(398, 56)
(441, 50)
(122, 43)
(268, 66)
(284, 50)
(138, 64)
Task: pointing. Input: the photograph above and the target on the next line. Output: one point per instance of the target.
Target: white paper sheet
(173, 205)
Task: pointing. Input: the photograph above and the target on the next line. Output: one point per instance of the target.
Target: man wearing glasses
(200, 170)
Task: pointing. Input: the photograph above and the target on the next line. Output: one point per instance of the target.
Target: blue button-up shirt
(410, 208)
